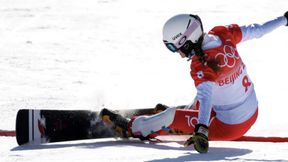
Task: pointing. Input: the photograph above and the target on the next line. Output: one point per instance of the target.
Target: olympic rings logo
(230, 57)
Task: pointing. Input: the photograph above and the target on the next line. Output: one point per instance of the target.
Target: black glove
(286, 15)
(199, 139)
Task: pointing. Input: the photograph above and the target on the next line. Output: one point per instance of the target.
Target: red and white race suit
(229, 92)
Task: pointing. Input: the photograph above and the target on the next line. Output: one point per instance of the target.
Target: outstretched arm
(256, 30)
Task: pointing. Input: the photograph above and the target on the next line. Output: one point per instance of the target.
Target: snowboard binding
(116, 122)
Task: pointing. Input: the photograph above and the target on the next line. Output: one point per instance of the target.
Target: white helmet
(181, 32)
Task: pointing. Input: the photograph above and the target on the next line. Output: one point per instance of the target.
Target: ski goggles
(171, 47)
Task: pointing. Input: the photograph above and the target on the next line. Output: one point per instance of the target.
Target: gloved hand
(286, 15)
(199, 139)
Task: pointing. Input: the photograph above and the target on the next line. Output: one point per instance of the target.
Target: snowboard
(36, 126)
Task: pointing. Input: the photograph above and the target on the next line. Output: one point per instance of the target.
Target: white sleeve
(204, 96)
(256, 30)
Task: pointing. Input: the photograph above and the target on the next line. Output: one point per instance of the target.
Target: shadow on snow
(215, 153)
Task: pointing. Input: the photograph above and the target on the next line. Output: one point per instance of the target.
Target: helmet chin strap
(190, 55)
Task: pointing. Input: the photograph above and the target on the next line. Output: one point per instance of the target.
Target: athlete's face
(181, 54)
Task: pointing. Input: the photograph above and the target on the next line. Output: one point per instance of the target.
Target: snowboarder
(226, 101)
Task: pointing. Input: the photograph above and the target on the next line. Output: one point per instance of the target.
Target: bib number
(245, 82)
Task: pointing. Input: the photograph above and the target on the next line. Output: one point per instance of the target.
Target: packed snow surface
(91, 54)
